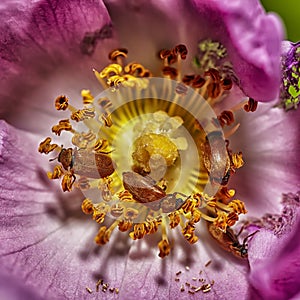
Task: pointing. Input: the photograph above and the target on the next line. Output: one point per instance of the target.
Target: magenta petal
(13, 289)
(269, 140)
(43, 37)
(149, 277)
(275, 265)
(253, 40)
(46, 241)
(251, 36)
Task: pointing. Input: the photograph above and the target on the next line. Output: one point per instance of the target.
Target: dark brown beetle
(229, 240)
(86, 163)
(217, 162)
(145, 190)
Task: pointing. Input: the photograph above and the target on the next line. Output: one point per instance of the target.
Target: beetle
(217, 163)
(86, 163)
(145, 190)
(229, 241)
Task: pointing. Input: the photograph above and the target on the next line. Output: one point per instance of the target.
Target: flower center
(149, 153)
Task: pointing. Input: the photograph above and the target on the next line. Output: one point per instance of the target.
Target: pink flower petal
(149, 277)
(47, 243)
(43, 40)
(13, 289)
(269, 140)
(274, 263)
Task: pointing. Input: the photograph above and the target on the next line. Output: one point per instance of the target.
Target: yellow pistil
(142, 158)
(154, 149)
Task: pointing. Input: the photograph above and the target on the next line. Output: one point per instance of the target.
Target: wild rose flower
(51, 47)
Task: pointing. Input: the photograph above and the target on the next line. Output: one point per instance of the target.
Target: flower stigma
(150, 154)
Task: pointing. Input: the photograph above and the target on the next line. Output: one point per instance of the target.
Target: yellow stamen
(131, 159)
(87, 97)
(62, 125)
(237, 160)
(67, 182)
(57, 173)
(83, 114)
(87, 206)
(46, 146)
(164, 248)
(61, 103)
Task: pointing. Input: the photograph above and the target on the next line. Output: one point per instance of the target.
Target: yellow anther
(67, 182)
(125, 225)
(87, 97)
(164, 248)
(201, 199)
(232, 218)
(151, 226)
(196, 216)
(46, 146)
(125, 196)
(87, 206)
(99, 216)
(237, 206)
(189, 233)
(212, 203)
(61, 103)
(221, 221)
(136, 69)
(62, 125)
(174, 218)
(237, 160)
(224, 194)
(57, 172)
(103, 236)
(139, 231)
(107, 120)
(115, 81)
(83, 114)
(100, 145)
(111, 70)
(117, 53)
(189, 205)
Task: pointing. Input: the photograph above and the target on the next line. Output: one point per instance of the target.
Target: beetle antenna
(247, 237)
(241, 230)
(52, 159)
